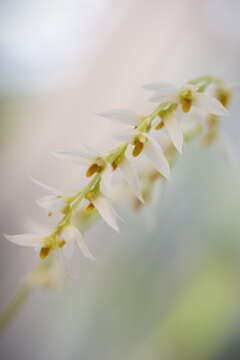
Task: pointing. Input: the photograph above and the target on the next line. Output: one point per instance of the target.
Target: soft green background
(167, 286)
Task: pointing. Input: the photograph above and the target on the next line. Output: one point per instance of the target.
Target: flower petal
(125, 135)
(84, 249)
(68, 249)
(210, 105)
(124, 116)
(70, 235)
(91, 151)
(129, 172)
(46, 187)
(52, 203)
(105, 210)
(106, 180)
(174, 130)
(25, 239)
(77, 156)
(155, 154)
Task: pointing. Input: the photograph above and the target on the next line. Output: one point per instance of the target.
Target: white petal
(129, 172)
(124, 116)
(46, 187)
(158, 98)
(26, 239)
(70, 234)
(77, 156)
(52, 203)
(210, 105)
(125, 135)
(84, 249)
(155, 154)
(164, 96)
(92, 152)
(105, 210)
(68, 249)
(174, 130)
(106, 180)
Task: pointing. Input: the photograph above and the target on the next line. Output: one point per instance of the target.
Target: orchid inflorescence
(197, 104)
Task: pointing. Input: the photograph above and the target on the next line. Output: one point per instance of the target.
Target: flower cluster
(195, 105)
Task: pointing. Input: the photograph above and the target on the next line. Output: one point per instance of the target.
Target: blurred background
(167, 286)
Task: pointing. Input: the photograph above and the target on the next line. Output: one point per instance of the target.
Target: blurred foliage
(202, 316)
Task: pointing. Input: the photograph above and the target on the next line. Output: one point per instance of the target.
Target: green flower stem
(75, 201)
(14, 306)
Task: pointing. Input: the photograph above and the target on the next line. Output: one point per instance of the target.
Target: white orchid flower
(101, 203)
(54, 203)
(170, 118)
(145, 143)
(27, 239)
(66, 240)
(129, 173)
(93, 161)
(187, 96)
(42, 244)
(70, 236)
(140, 140)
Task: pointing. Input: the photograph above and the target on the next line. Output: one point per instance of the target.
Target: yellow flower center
(138, 148)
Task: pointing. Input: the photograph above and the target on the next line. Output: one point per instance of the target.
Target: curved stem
(14, 306)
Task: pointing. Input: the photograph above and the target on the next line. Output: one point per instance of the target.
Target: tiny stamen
(93, 169)
(159, 126)
(61, 243)
(44, 252)
(50, 213)
(114, 165)
(186, 104)
(138, 148)
(89, 208)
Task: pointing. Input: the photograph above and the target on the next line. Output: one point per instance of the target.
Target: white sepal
(84, 249)
(72, 235)
(210, 105)
(45, 187)
(106, 180)
(126, 135)
(155, 154)
(52, 203)
(124, 116)
(174, 130)
(106, 211)
(129, 172)
(76, 156)
(26, 240)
